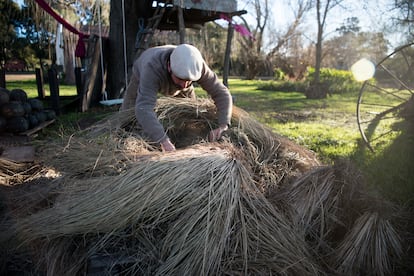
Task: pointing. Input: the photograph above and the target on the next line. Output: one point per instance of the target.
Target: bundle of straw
(371, 247)
(253, 203)
(203, 200)
(12, 172)
(105, 155)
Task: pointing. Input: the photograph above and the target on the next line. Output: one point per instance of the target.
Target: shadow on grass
(392, 170)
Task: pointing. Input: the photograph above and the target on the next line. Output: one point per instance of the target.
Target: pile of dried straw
(254, 203)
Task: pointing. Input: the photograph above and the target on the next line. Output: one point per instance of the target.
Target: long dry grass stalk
(14, 172)
(327, 204)
(105, 147)
(176, 113)
(274, 158)
(111, 124)
(254, 203)
(370, 248)
(104, 155)
(270, 144)
(318, 200)
(208, 200)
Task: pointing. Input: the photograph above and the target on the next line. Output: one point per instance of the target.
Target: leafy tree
(31, 31)
(351, 25)
(10, 13)
(350, 45)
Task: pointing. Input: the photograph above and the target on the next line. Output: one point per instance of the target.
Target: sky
(371, 14)
(20, 2)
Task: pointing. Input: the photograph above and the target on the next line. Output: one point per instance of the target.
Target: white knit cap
(186, 62)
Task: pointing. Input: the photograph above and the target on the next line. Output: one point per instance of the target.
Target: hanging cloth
(80, 50)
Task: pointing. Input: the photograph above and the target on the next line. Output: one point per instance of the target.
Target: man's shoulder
(159, 49)
(155, 55)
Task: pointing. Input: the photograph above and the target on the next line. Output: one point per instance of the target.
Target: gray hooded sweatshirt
(151, 76)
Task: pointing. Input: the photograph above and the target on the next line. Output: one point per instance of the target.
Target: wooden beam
(37, 128)
(181, 24)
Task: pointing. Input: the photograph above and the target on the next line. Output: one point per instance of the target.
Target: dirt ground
(20, 76)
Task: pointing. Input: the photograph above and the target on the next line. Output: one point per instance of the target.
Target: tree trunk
(316, 89)
(227, 54)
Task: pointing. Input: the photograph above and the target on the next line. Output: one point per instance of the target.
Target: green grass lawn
(30, 87)
(327, 126)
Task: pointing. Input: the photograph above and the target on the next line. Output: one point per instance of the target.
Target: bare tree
(299, 11)
(251, 53)
(285, 45)
(405, 17)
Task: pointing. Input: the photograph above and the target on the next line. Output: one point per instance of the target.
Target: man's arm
(145, 114)
(219, 93)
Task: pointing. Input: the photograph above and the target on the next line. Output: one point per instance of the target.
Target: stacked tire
(18, 113)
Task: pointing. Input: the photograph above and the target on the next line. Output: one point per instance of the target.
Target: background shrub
(279, 75)
(283, 86)
(337, 81)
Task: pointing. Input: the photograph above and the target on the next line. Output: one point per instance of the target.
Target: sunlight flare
(363, 69)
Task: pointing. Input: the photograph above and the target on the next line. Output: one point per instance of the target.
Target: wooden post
(54, 90)
(79, 92)
(3, 78)
(78, 79)
(181, 24)
(92, 83)
(39, 83)
(226, 69)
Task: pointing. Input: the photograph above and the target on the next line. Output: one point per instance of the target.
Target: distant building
(15, 65)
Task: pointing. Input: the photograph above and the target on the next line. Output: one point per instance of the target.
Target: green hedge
(336, 81)
(283, 86)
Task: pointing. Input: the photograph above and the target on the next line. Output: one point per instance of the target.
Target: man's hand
(166, 145)
(215, 134)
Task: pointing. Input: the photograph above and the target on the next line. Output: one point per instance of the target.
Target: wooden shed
(152, 15)
(181, 14)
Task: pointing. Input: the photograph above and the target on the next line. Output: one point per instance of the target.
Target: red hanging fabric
(80, 47)
(80, 50)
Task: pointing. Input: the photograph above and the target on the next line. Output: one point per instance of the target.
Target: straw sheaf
(109, 146)
(108, 154)
(330, 205)
(12, 172)
(318, 199)
(370, 248)
(253, 203)
(188, 122)
(204, 200)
